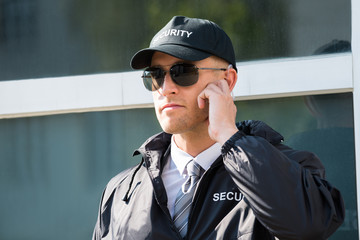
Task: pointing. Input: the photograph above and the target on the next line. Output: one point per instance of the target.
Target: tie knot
(193, 168)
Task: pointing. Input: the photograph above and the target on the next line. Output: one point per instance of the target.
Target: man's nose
(169, 86)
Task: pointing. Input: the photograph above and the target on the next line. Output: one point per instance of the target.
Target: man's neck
(193, 144)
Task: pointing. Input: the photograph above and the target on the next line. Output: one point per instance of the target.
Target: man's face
(176, 107)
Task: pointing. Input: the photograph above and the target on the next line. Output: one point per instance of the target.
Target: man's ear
(231, 77)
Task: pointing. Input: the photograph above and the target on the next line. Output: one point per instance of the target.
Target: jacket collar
(155, 147)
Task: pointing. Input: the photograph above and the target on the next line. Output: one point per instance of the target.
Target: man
(206, 177)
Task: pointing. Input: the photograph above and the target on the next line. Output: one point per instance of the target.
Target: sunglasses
(182, 74)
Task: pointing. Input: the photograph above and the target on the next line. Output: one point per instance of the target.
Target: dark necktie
(184, 197)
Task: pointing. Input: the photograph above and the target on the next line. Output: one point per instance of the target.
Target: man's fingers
(218, 87)
(202, 100)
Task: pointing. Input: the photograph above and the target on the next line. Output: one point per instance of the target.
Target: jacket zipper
(163, 208)
(199, 190)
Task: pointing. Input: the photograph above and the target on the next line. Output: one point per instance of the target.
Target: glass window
(54, 168)
(46, 38)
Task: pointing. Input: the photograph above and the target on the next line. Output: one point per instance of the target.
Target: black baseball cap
(190, 39)
(335, 46)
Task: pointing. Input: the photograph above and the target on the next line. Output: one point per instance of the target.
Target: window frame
(286, 77)
(355, 42)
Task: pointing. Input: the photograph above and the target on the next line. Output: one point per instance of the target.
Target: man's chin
(171, 131)
(183, 128)
(172, 128)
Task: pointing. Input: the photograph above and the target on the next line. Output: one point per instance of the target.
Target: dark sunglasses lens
(153, 78)
(184, 74)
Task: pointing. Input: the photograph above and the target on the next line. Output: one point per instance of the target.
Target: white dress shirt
(174, 173)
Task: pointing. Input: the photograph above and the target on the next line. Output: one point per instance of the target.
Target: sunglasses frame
(153, 84)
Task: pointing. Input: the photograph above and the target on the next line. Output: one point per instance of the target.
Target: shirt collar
(204, 159)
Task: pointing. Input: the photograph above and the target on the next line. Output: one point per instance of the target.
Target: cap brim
(142, 58)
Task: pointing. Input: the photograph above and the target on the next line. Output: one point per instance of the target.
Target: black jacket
(257, 189)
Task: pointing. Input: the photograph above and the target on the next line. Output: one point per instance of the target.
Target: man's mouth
(170, 106)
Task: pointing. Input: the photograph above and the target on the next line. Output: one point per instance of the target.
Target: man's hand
(222, 110)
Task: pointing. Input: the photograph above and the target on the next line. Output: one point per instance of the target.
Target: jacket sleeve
(102, 225)
(97, 230)
(285, 188)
